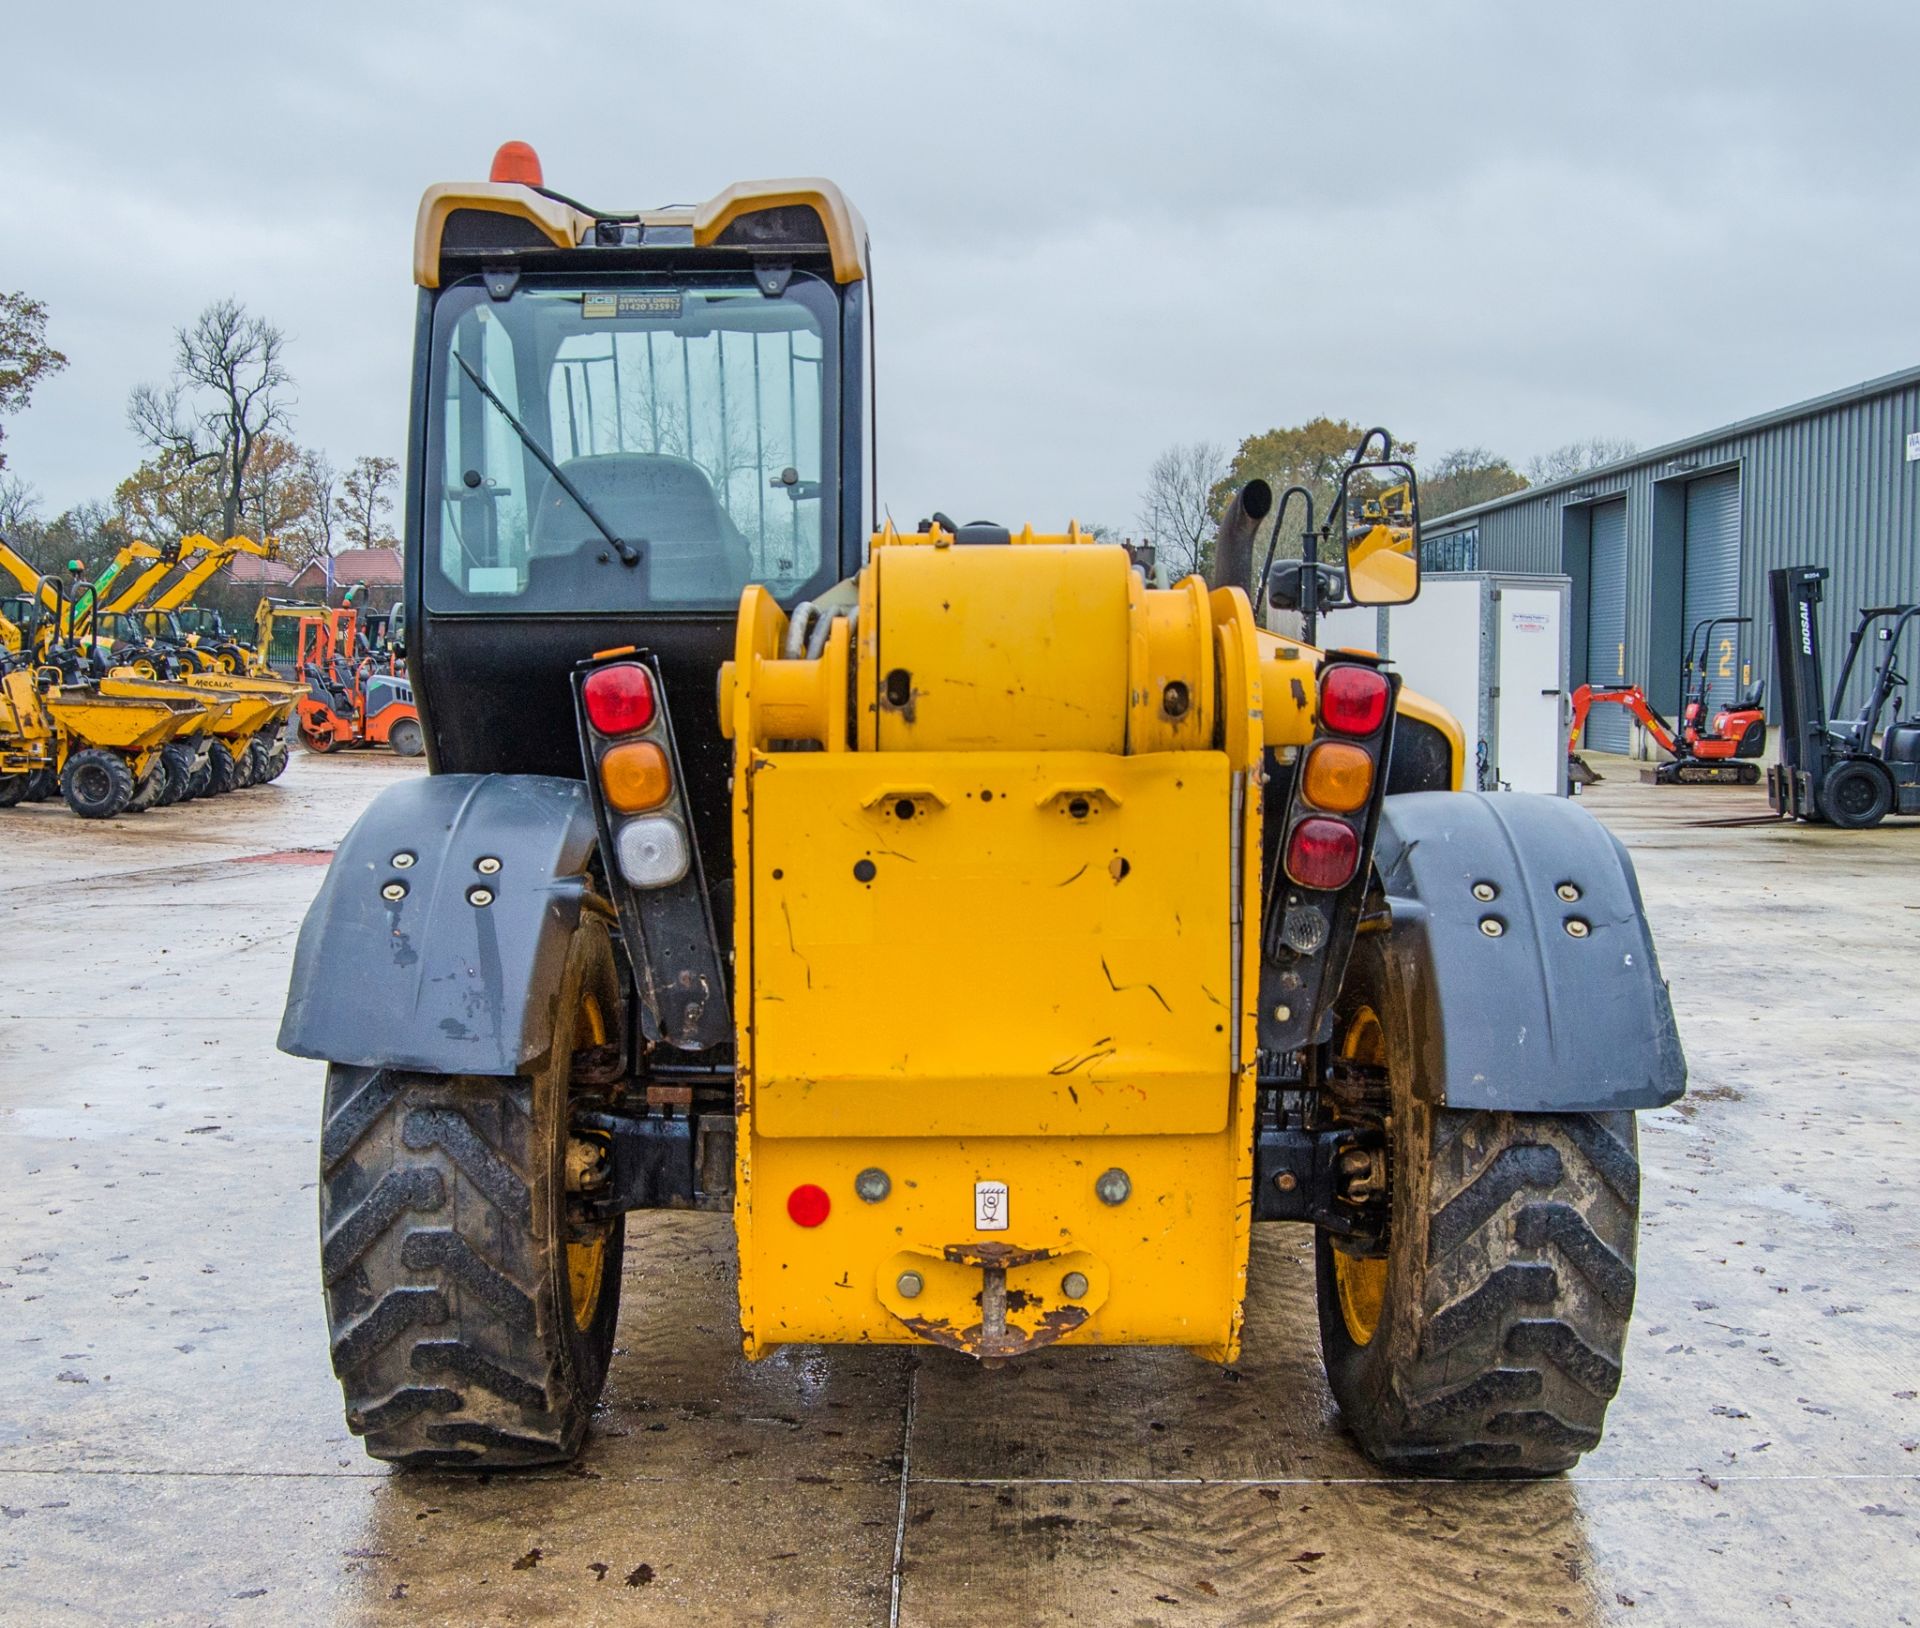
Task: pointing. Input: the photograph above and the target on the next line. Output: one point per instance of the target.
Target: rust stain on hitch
(1010, 1342)
(996, 1255)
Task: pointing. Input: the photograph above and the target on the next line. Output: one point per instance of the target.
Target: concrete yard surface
(172, 1447)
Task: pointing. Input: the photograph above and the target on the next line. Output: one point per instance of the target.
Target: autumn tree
(228, 388)
(363, 504)
(25, 356)
(278, 496)
(1311, 455)
(171, 496)
(1466, 476)
(1177, 510)
(1577, 457)
(88, 531)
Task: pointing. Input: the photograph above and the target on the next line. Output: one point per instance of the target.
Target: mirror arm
(1273, 537)
(1386, 445)
(1311, 543)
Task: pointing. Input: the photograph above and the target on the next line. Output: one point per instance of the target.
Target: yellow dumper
(105, 750)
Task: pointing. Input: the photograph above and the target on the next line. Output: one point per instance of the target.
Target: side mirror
(1379, 507)
(800, 491)
(1286, 585)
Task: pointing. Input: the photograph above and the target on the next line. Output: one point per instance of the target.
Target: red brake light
(808, 1205)
(1353, 700)
(1322, 854)
(619, 699)
(516, 161)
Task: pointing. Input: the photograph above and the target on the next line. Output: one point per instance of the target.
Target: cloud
(1097, 229)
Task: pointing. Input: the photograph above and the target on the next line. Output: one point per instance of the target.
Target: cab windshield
(647, 446)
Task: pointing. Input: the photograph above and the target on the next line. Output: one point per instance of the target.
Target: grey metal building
(1659, 542)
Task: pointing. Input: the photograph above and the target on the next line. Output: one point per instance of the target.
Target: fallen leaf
(640, 1576)
(527, 1561)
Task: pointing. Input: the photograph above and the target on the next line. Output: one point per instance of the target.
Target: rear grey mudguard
(1533, 1019)
(431, 980)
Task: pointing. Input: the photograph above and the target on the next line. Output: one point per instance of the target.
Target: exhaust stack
(1233, 541)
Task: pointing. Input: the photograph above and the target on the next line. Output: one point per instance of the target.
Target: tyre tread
(1531, 1279)
(434, 1286)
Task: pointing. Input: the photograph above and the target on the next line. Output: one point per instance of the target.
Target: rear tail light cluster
(1337, 776)
(627, 736)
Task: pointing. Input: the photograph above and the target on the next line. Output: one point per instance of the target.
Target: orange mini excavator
(1707, 748)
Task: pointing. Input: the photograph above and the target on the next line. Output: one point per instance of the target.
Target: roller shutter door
(1713, 580)
(1609, 728)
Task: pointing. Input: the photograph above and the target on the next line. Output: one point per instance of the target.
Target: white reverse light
(653, 852)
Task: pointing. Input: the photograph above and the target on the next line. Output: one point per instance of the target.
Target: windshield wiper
(629, 555)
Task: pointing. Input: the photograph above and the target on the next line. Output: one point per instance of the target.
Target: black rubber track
(443, 1222)
(1510, 1282)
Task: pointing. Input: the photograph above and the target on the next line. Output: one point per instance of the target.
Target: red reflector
(516, 161)
(619, 699)
(1353, 700)
(1322, 854)
(808, 1205)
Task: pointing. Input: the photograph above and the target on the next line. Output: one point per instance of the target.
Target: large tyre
(222, 775)
(406, 738)
(96, 783)
(277, 755)
(42, 784)
(149, 788)
(1856, 794)
(178, 763)
(259, 762)
(13, 789)
(471, 1306)
(1489, 1341)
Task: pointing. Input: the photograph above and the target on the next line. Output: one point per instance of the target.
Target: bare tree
(1577, 457)
(312, 537)
(363, 502)
(1176, 509)
(229, 387)
(19, 503)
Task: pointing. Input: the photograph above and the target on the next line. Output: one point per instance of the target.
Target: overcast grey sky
(1097, 229)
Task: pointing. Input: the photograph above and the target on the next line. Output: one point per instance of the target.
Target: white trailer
(1494, 649)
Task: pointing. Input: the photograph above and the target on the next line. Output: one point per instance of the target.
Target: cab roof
(463, 224)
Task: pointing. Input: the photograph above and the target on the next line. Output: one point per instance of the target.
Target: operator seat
(692, 553)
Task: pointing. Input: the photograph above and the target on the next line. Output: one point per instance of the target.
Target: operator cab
(621, 420)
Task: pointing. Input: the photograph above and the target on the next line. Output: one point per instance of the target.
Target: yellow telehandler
(1012, 940)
